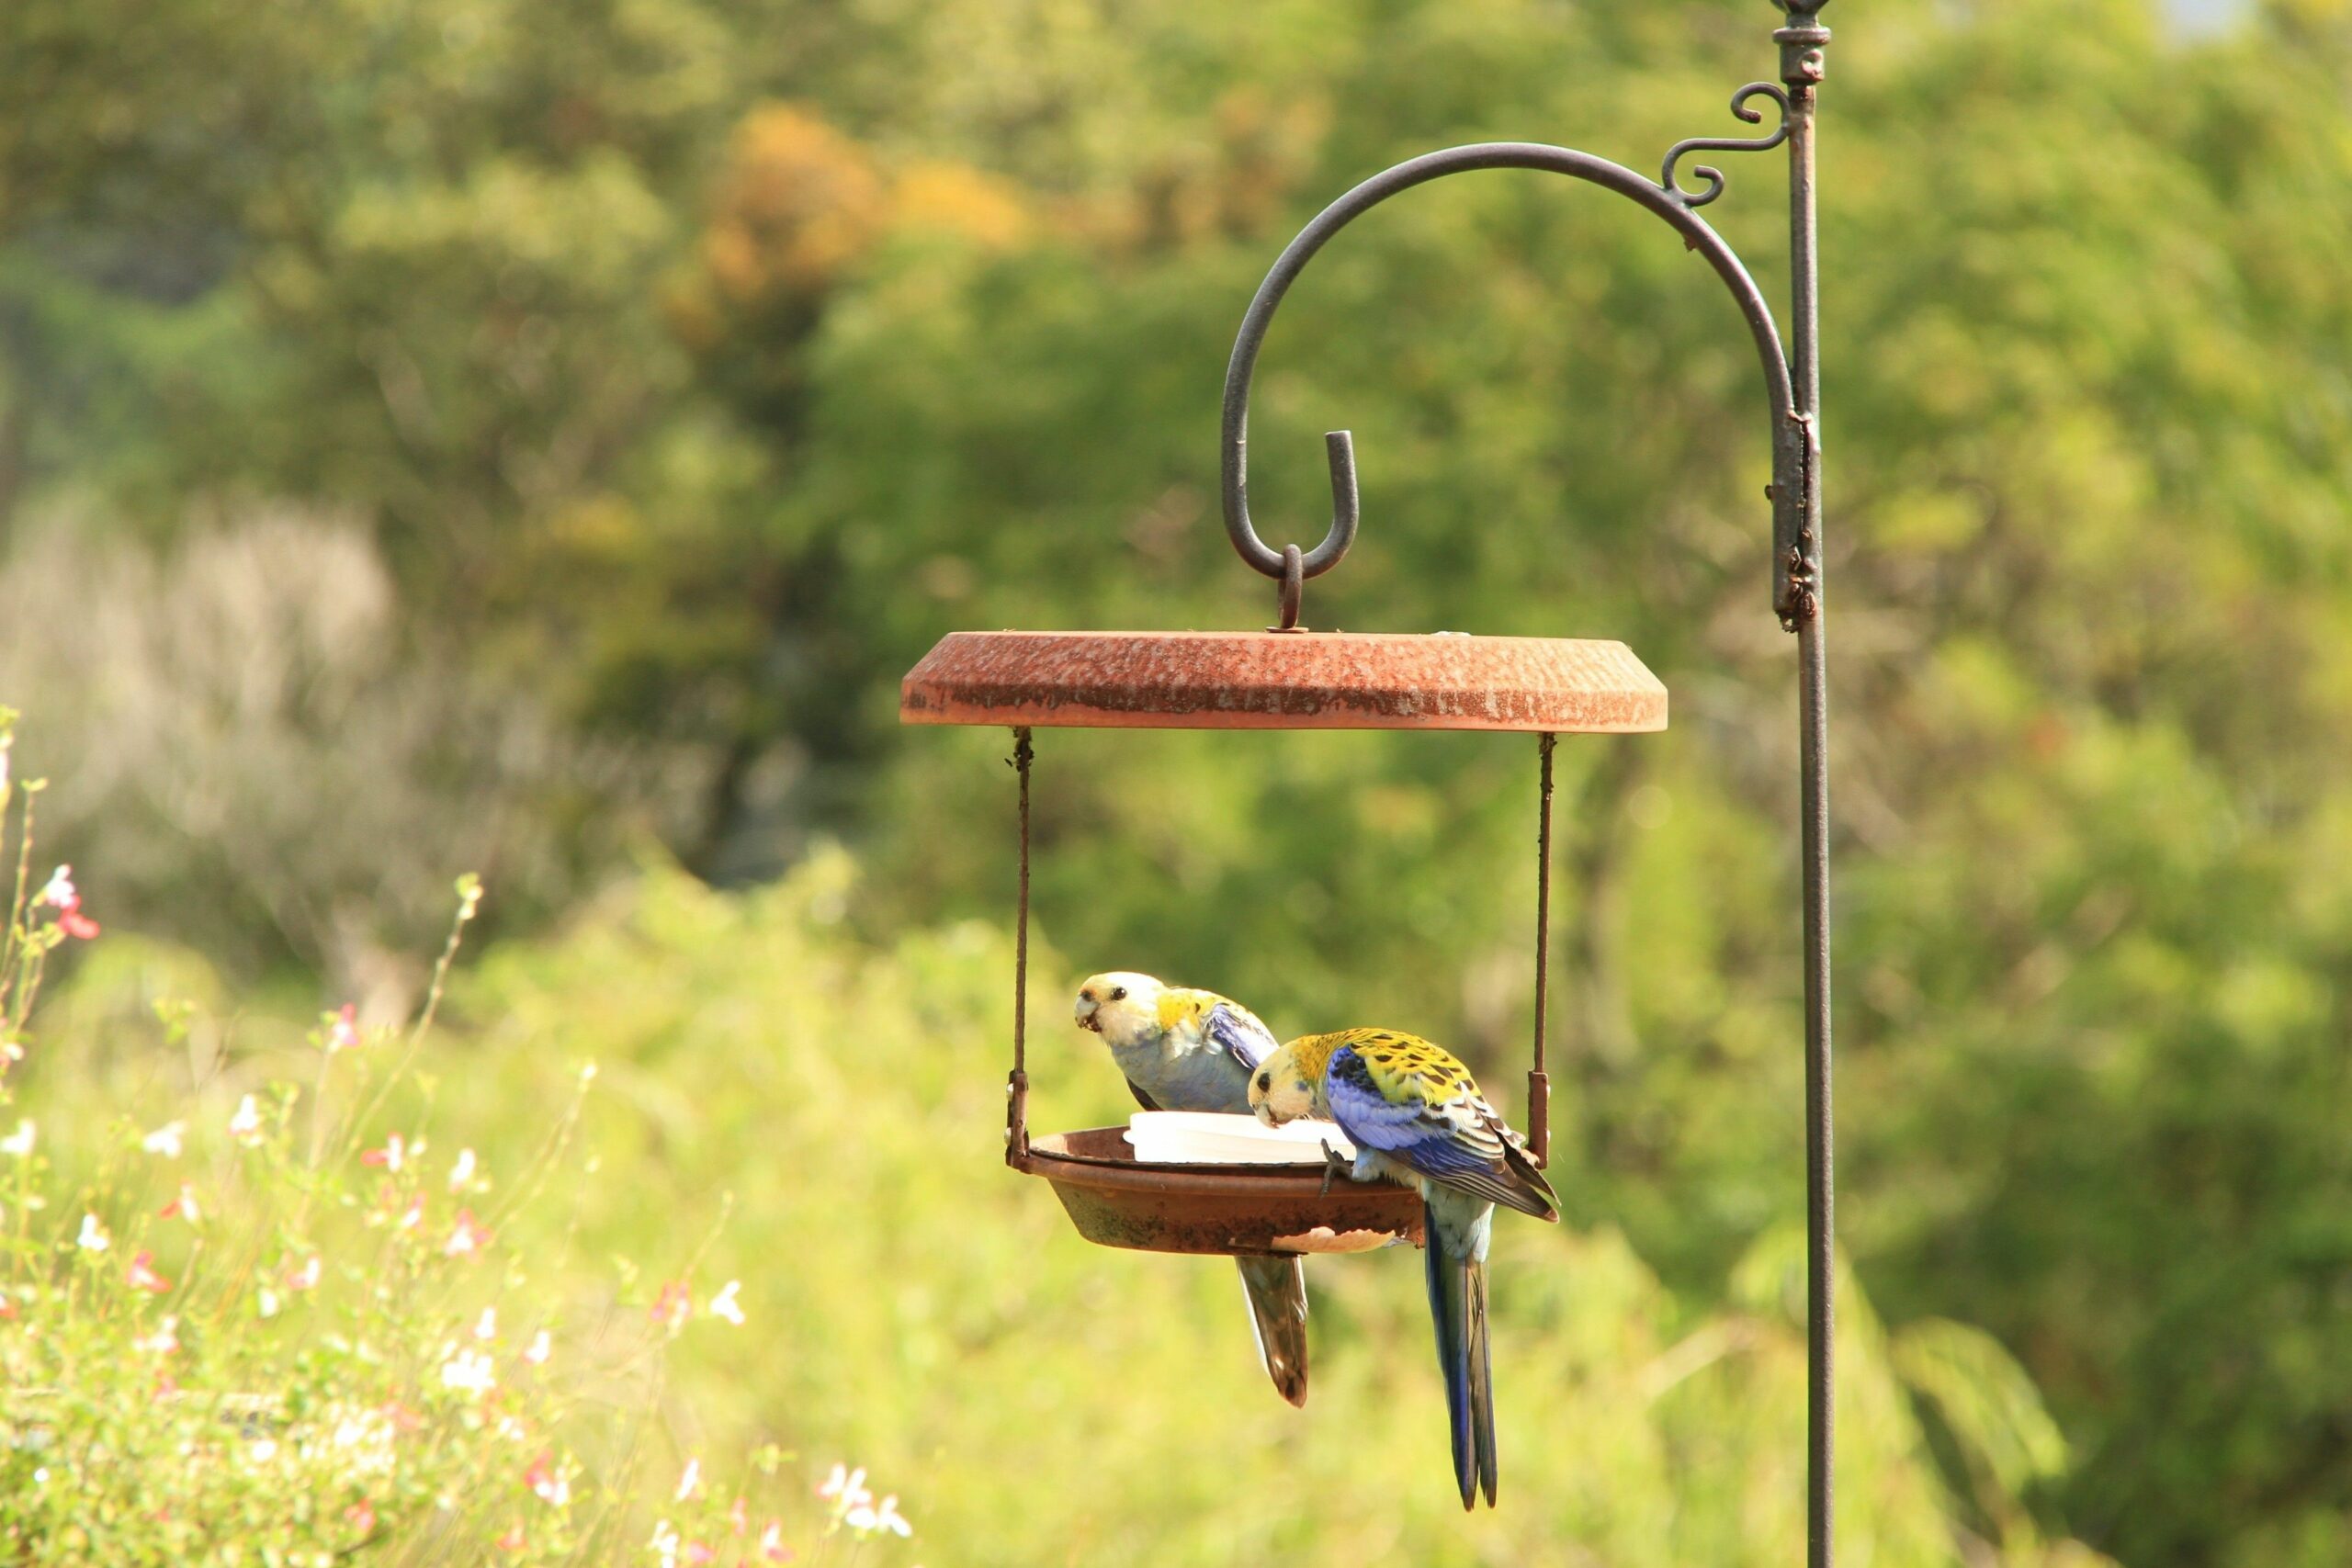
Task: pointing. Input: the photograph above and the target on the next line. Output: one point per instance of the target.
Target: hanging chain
(1016, 1086)
(1539, 1082)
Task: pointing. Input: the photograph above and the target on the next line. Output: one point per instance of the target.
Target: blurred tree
(697, 366)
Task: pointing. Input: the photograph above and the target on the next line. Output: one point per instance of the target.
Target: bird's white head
(1281, 1090)
(1122, 1008)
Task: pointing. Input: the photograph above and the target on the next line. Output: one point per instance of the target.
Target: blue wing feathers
(1239, 1035)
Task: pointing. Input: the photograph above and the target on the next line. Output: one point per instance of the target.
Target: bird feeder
(1287, 677)
(1278, 679)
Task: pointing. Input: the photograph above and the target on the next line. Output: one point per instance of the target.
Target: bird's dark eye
(1118, 993)
(1265, 1082)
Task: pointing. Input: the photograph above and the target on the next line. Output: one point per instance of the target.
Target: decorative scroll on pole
(1793, 394)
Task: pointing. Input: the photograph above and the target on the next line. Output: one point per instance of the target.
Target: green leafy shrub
(266, 1328)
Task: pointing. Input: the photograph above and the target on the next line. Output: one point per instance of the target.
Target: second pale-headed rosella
(1416, 1117)
(1188, 1049)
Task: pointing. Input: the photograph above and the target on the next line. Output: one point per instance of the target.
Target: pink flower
(61, 894)
(735, 1517)
(697, 1552)
(469, 1237)
(512, 1540)
(673, 1305)
(546, 1485)
(403, 1418)
(362, 1516)
(7, 1307)
(771, 1545)
(389, 1156)
(342, 1029)
(412, 1216)
(306, 1277)
(143, 1275)
(182, 1207)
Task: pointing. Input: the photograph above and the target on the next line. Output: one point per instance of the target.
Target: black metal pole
(1802, 43)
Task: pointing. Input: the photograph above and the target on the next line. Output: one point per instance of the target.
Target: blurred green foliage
(914, 1306)
(695, 366)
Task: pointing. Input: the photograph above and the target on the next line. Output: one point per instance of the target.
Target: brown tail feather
(1276, 1289)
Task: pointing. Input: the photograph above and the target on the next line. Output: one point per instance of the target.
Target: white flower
(20, 1141)
(884, 1516)
(58, 893)
(306, 1278)
(267, 1302)
(245, 1125)
(262, 1451)
(184, 1207)
(462, 1172)
(665, 1541)
(486, 1327)
(93, 1237)
(163, 1341)
(542, 1347)
(725, 1305)
(469, 1371)
(691, 1482)
(165, 1140)
(845, 1489)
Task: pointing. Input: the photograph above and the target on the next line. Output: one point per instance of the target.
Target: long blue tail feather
(1457, 1291)
(1482, 1382)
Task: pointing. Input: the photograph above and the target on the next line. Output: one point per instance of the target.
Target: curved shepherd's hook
(1790, 437)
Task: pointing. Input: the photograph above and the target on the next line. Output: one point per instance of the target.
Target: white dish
(1198, 1137)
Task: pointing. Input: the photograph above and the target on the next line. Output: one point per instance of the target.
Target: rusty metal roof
(1283, 681)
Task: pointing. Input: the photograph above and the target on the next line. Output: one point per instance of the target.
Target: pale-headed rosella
(1189, 1050)
(1417, 1118)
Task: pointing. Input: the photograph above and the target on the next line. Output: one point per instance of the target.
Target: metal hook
(1294, 588)
(1791, 494)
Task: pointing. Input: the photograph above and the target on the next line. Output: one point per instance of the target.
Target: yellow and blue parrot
(1417, 1118)
(1188, 1049)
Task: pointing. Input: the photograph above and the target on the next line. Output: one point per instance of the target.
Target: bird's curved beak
(1083, 1013)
